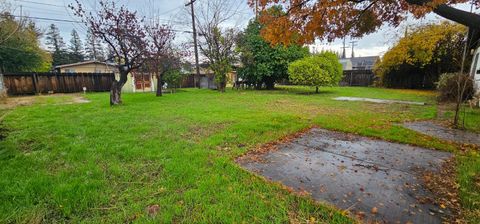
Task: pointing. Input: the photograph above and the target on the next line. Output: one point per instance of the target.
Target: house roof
(364, 60)
(84, 63)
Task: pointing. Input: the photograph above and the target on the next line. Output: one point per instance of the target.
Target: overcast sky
(173, 13)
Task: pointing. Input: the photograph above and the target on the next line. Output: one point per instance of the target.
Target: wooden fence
(34, 83)
(357, 78)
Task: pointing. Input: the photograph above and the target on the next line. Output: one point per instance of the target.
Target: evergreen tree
(57, 46)
(93, 48)
(20, 49)
(264, 64)
(76, 48)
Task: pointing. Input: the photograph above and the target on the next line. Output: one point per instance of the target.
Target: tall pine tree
(93, 48)
(76, 48)
(57, 46)
(20, 49)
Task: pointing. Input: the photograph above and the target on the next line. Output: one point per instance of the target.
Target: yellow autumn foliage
(424, 46)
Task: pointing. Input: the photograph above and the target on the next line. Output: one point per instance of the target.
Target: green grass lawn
(95, 164)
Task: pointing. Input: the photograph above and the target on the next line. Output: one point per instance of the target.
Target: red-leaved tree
(306, 20)
(124, 32)
(161, 51)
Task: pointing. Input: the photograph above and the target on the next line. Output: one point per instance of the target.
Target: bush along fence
(357, 78)
(36, 83)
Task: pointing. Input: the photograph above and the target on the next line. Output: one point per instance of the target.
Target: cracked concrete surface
(377, 180)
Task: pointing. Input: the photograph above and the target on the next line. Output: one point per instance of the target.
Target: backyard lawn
(173, 158)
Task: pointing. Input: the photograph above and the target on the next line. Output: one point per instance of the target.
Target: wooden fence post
(351, 77)
(34, 81)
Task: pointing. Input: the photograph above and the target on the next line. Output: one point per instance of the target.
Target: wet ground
(436, 130)
(375, 180)
(381, 101)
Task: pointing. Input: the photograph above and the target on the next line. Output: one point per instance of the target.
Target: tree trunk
(115, 94)
(116, 89)
(317, 89)
(471, 20)
(463, 17)
(159, 85)
(222, 86)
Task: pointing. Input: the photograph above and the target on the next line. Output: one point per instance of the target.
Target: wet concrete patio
(436, 130)
(380, 101)
(377, 180)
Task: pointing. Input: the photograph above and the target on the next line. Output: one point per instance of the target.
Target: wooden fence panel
(33, 83)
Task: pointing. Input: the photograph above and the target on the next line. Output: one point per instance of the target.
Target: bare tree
(161, 51)
(218, 46)
(123, 31)
(216, 42)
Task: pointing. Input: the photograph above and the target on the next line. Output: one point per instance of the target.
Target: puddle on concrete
(381, 101)
(436, 130)
(378, 179)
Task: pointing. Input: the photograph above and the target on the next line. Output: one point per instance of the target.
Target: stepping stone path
(432, 129)
(375, 180)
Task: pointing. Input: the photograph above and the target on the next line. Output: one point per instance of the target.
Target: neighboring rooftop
(359, 63)
(84, 63)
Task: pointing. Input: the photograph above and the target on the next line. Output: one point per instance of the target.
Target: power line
(40, 3)
(169, 11)
(48, 19)
(79, 22)
(42, 11)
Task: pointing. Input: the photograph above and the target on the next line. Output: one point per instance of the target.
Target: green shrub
(319, 70)
(448, 85)
(173, 78)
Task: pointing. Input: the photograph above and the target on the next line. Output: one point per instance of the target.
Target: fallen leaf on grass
(153, 210)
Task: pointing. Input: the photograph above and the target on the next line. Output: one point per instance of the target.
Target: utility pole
(256, 9)
(344, 54)
(354, 43)
(194, 29)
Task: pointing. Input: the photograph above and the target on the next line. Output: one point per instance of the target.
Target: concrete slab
(381, 101)
(377, 179)
(441, 132)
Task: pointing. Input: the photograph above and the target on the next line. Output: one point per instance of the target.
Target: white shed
(475, 70)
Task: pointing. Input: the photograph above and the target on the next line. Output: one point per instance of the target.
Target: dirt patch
(197, 133)
(55, 99)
